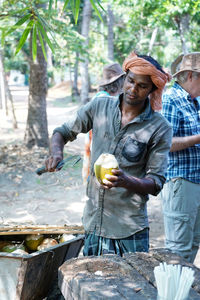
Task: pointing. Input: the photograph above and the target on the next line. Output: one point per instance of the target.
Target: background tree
(162, 28)
(39, 23)
(110, 20)
(36, 131)
(87, 11)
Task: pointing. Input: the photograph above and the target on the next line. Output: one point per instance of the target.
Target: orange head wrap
(141, 66)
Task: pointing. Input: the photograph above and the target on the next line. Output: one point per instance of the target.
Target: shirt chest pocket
(133, 150)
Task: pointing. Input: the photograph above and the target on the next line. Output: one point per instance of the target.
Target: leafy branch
(39, 27)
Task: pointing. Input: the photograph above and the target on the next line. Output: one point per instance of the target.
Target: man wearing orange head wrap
(142, 65)
(127, 126)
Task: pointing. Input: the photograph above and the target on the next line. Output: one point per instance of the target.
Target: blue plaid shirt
(183, 113)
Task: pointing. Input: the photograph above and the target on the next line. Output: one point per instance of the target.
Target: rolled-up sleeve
(158, 158)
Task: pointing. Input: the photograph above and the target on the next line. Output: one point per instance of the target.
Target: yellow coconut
(33, 241)
(46, 243)
(104, 165)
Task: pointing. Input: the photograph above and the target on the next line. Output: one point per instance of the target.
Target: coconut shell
(104, 165)
(47, 243)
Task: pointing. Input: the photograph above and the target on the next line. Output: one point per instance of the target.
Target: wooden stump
(113, 277)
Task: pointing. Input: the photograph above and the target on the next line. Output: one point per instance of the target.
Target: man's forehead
(139, 77)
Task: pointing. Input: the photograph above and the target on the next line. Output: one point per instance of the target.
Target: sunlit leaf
(77, 7)
(3, 33)
(73, 6)
(50, 5)
(20, 11)
(96, 9)
(99, 4)
(47, 40)
(19, 23)
(65, 4)
(34, 42)
(42, 44)
(46, 27)
(24, 36)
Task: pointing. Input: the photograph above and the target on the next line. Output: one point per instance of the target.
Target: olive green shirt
(141, 149)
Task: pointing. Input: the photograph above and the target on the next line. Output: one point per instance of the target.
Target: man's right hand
(52, 161)
(57, 145)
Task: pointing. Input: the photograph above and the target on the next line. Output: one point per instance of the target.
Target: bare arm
(142, 186)
(181, 143)
(57, 145)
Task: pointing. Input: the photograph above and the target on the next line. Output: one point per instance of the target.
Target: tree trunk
(183, 27)
(75, 91)
(87, 11)
(110, 20)
(152, 41)
(5, 93)
(10, 97)
(3, 102)
(51, 80)
(36, 128)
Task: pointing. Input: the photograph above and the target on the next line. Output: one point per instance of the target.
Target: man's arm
(56, 149)
(181, 143)
(142, 186)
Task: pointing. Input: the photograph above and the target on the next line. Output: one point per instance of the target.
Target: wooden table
(118, 278)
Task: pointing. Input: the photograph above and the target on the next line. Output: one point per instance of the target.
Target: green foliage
(13, 62)
(75, 7)
(34, 42)
(24, 36)
(136, 20)
(33, 13)
(58, 27)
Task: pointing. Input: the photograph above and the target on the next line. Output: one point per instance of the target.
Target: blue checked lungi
(98, 245)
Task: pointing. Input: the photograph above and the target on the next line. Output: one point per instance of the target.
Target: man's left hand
(118, 179)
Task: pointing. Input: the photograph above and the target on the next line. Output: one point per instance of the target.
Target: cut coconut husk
(104, 165)
(47, 243)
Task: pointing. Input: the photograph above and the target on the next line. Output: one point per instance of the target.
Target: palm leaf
(73, 6)
(2, 37)
(42, 44)
(99, 4)
(46, 27)
(96, 9)
(50, 5)
(24, 36)
(19, 11)
(19, 23)
(45, 36)
(65, 4)
(42, 20)
(34, 42)
(77, 7)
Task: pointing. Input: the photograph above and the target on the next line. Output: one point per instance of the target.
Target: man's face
(136, 88)
(195, 86)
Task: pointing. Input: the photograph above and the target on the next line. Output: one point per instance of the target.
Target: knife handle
(42, 170)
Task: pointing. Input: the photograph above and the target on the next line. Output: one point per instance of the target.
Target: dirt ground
(53, 198)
